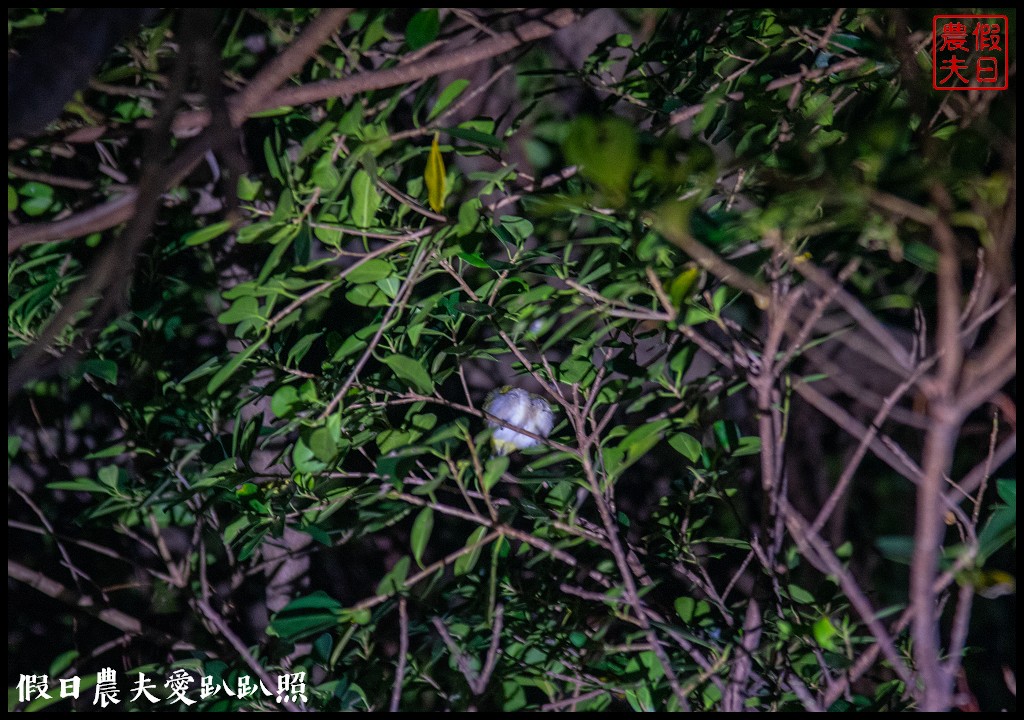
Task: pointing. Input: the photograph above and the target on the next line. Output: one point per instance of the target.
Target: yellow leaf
(683, 285)
(435, 178)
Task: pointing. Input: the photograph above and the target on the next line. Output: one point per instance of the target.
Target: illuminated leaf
(411, 371)
(447, 97)
(365, 200)
(421, 529)
(682, 286)
(465, 563)
(434, 176)
(824, 631)
(422, 29)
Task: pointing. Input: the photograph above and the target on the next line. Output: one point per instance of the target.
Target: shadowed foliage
(266, 266)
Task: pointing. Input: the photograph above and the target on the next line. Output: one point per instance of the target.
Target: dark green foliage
(280, 422)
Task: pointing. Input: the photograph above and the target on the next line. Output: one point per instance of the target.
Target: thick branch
(940, 441)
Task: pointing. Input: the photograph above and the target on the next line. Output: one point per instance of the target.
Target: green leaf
(606, 152)
(687, 446)
(270, 156)
(206, 234)
(1000, 529)
(392, 467)
(422, 28)
(640, 699)
(321, 442)
(519, 228)
(435, 178)
(248, 190)
(63, 661)
(272, 112)
(712, 103)
(447, 96)
(202, 371)
(798, 594)
(469, 216)
(638, 442)
(304, 459)
(306, 616)
(475, 309)
(367, 296)
(824, 631)
(318, 139)
(389, 286)
(496, 467)
(389, 440)
(477, 137)
(80, 485)
(422, 527)
(258, 232)
(301, 347)
(317, 533)
(682, 286)
(684, 608)
(474, 259)
(424, 421)
(246, 490)
(466, 563)
(111, 476)
(899, 548)
(33, 20)
(370, 271)
(394, 581)
(231, 367)
(1007, 490)
(329, 236)
(326, 176)
(112, 451)
(748, 445)
(244, 308)
(36, 206)
(924, 256)
(351, 122)
(37, 190)
(14, 445)
(365, 200)
(105, 370)
(351, 344)
(412, 371)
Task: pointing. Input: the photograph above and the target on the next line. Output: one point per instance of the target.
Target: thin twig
(221, 625)
(49, 178)
(83, 603)
(401, 74)
(400, 300)
(849, 64)
(403, 650)
(817, 551)
(866, 439)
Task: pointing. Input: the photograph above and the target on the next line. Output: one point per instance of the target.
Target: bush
(267, 266)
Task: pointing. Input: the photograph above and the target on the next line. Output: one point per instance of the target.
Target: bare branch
(215, 619)
(111, 616)
(403, 650)
(936, 682)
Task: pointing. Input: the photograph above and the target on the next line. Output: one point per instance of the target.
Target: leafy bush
(761, 272)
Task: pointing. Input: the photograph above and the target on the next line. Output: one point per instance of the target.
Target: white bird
(522, 409)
